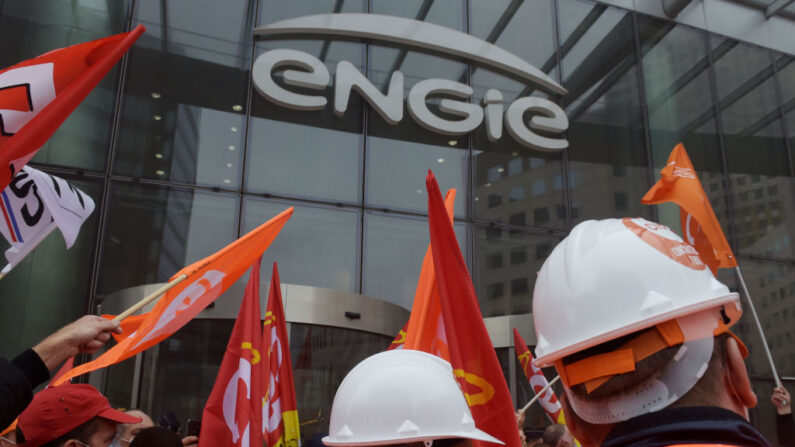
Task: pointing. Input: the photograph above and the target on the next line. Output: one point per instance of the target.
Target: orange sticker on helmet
(665, 241)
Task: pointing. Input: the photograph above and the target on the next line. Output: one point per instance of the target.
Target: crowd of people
(659, 368)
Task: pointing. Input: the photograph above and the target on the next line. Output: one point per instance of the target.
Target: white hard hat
(400, 396)
(613, 277)
(616, 277)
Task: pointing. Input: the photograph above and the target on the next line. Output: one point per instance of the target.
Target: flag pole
(758, 325)
(540, 393)
(151, 297)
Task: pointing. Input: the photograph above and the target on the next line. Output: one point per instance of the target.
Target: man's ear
(737, 375)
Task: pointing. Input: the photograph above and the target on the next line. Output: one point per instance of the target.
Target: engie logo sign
(304, 70)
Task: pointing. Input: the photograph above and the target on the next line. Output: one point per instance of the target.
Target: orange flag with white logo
(206, 280)
(38, 94)
(279, 409)
(231, 417)
(679, 184)
(472, 355)
(538, 381)
(425, 328)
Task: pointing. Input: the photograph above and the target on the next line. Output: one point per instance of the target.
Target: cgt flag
(425, 329)
(679, 184)
(37, 95)
(472, 355)
(206, 280)
(400, 338)
(231, 417)
(33, 205)
(279, 410)
(549, 402)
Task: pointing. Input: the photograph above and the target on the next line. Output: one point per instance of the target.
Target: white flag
(33, 205)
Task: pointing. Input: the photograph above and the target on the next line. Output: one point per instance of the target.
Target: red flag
(400, 338)
(549, 401)
(37, 95)
(679, 184)
(425, 330)
(232, 414)
(206, 280)
(279, 409)
(471, 352)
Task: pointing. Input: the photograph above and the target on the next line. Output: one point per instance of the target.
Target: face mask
(115, 443)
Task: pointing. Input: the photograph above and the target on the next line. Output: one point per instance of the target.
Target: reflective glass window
(394, 248)
(154, 231)
(322, 357)
(307, 154)
(185, 94)
(30, 29)
(318, 246)
(499, 167)
(601, 74)
(508, 289)
(756, 149)
(52, 278)
(398, 157)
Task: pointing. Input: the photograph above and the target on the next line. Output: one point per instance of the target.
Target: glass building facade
(182, 155)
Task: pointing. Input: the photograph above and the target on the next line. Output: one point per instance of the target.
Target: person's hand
(190, 441)
(520, 419)
(85, 335)
(781, 400)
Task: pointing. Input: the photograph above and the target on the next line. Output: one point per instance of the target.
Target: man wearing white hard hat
(638, 329)
(402, 397)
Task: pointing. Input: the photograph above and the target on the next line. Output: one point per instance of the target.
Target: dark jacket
(690, 425)
(18, 378)
(785, 430)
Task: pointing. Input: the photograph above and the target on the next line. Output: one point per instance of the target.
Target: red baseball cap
(56, 411)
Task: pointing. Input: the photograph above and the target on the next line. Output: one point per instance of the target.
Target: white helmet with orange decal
(612, 278)
(400, 396)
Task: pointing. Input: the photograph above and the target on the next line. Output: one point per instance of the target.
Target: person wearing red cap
(70, 415)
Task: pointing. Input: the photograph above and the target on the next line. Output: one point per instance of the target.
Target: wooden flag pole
(151, 297)
(758, 325)
(540, 393)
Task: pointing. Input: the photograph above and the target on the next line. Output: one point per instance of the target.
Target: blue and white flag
(33, 205)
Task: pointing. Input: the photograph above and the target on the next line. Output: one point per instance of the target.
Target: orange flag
(279, 410)
(538, 381)
(700, 227)
(472, 355)
(231, 417)
(207, 279)
(425, 328)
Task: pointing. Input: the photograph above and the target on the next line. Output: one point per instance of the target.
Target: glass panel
(30, 29)
(322, 356)
(178, 374)
(304, 154)
(608, 174)
(50, 278)
(761, 183)
(772, 287)
(185, 95)
(506, 287)
(318, 246)
(152, 232)
(398, 157)
(394, 248)
(675, 68)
